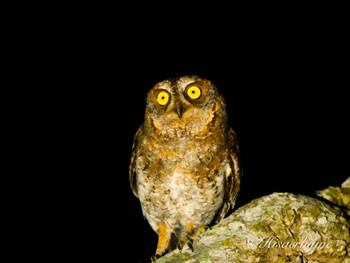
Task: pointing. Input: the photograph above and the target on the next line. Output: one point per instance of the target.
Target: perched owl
(184, 164)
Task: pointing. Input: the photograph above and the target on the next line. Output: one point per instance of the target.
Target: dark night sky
(286, 101)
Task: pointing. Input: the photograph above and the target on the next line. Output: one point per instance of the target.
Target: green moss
(203, 256)
(179, 257)
(338, 231)
(227, 242)
(336, 195)
(313, 212)
(262, 227)
(289, 216)
(283, 259)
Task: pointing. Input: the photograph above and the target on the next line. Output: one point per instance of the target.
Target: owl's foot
(188, 236)
(154, 258)
(185, 241)
(200, 230)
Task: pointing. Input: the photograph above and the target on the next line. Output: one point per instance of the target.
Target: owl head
(184, 106)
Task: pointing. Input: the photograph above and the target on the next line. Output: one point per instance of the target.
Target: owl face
(183, 104)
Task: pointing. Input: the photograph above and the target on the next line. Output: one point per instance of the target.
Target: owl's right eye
(163, 98)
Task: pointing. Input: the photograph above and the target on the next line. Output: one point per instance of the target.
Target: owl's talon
(185, 241)
(199, 231)
(155, 257)
(190, 245)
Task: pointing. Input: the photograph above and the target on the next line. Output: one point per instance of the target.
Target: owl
(184, 166)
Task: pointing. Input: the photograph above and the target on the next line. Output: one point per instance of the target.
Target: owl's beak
(180, 109)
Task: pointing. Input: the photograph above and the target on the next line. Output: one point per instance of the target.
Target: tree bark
(280, 227)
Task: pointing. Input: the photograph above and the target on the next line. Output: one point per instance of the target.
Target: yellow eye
(163, 98)
(194, 92)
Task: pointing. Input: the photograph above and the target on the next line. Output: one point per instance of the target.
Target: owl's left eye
(163, 98)
(194, 92)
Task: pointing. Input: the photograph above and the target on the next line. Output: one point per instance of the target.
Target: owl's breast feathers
(204, 158)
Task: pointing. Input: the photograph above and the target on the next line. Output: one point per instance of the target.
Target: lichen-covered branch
(340, 196)
(280, 227)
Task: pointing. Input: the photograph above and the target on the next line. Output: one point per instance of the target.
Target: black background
(285, 87)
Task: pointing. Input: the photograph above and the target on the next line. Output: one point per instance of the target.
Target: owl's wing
(233, 179)
(132, 168)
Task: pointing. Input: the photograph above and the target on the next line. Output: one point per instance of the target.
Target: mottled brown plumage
(184, 164)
